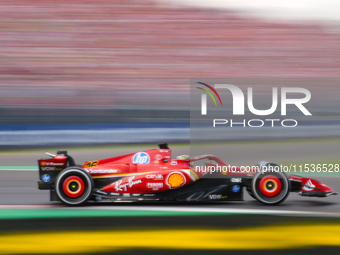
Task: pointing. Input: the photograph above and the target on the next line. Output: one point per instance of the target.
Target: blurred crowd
(136, 52)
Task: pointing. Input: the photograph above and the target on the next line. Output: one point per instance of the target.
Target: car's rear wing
(50, 168)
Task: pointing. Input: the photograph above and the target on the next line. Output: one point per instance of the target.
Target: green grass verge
(24, 213)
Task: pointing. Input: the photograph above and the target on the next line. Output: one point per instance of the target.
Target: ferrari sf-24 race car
(152, 175)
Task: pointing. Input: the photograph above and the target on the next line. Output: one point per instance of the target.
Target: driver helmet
(183, 157)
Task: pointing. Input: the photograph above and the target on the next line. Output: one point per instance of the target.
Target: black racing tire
(270, 187)
(74, 186)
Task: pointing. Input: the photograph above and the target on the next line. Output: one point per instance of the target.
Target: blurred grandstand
(108, 61)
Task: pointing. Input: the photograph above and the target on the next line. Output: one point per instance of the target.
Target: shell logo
(43, 163)
(175, 180)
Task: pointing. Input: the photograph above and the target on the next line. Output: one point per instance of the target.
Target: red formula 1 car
(152, 176)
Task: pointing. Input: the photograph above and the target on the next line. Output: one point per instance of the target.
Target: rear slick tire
(270, 188)
(74, 186)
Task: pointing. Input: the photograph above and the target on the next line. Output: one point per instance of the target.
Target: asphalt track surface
(246, 227)
(20, 187)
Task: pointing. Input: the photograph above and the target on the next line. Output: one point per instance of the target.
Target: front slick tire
(74, 186)
(270, 188)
